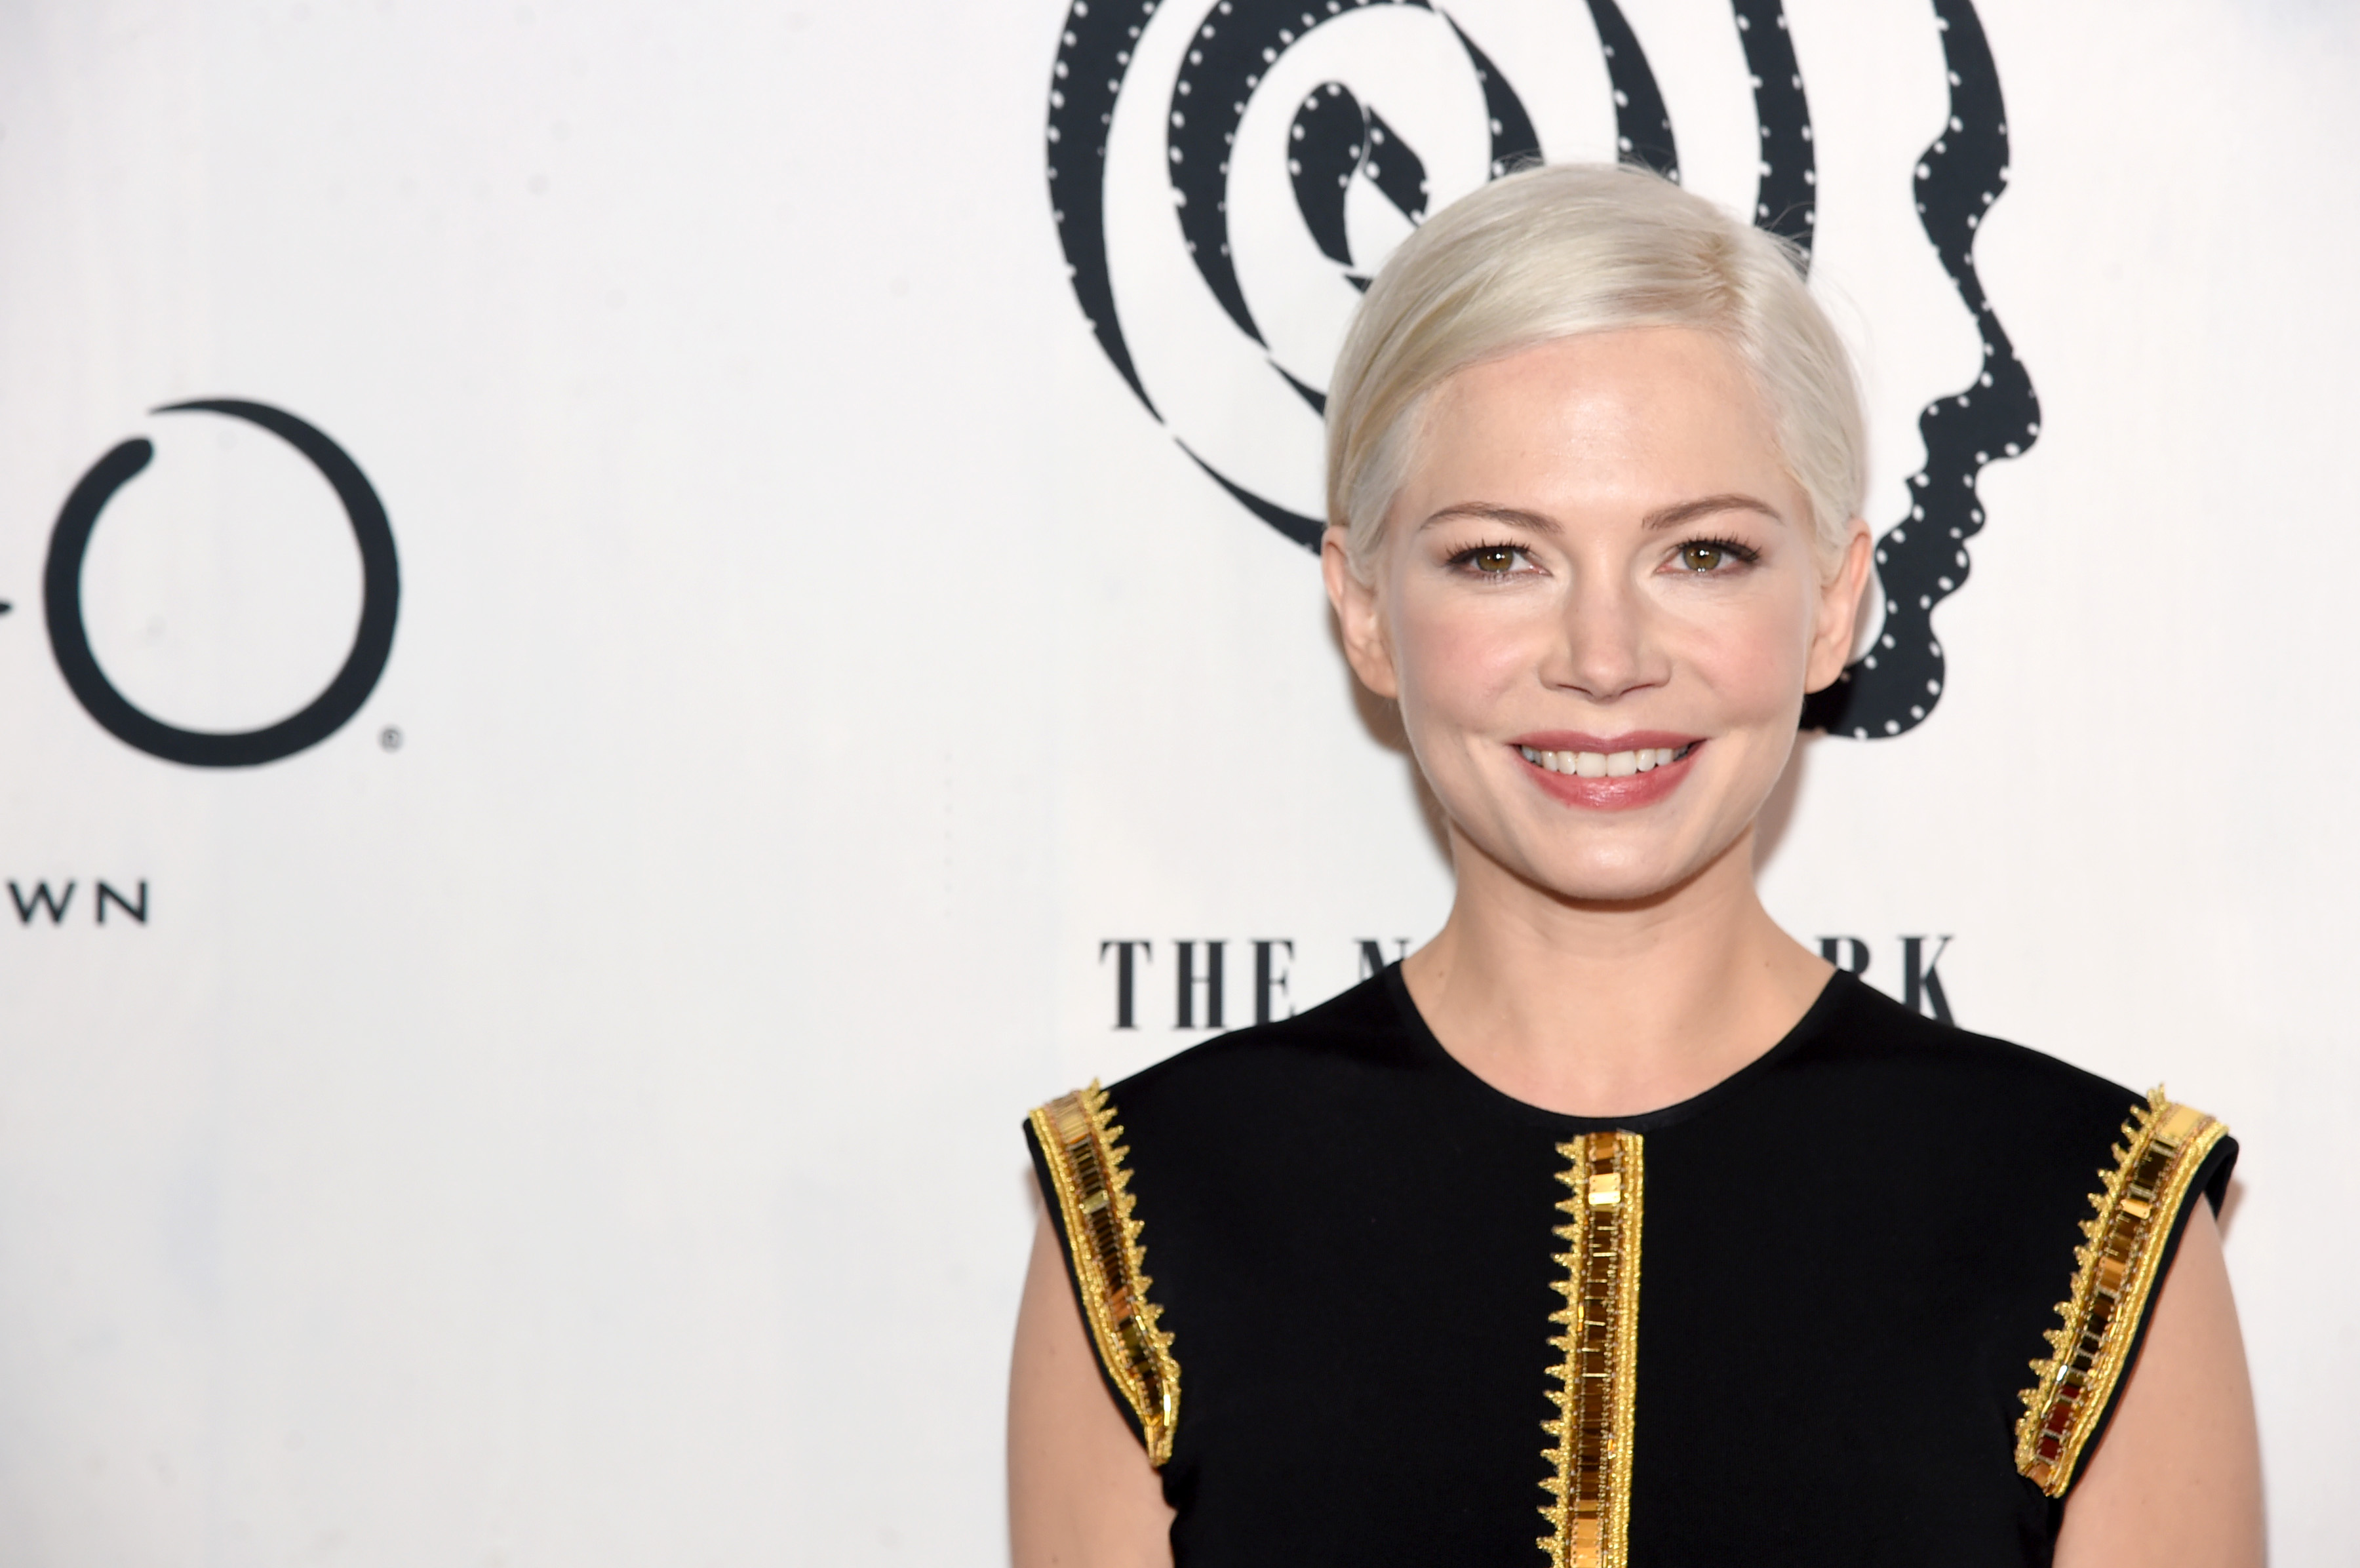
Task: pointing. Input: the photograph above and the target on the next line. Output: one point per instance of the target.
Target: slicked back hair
(1557, 250)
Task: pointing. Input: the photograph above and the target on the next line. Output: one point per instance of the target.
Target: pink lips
(1626, 794)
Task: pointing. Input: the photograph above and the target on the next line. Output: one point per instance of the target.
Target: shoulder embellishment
(2115, 1276)
(1590, 1464)
(1078, 1134)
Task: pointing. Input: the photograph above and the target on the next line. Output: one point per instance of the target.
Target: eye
(1715, 557)
(1492, 560)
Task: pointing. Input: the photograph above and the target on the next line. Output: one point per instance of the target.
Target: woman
(1614, 1210)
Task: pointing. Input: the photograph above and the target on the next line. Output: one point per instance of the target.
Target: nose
(1606, 643)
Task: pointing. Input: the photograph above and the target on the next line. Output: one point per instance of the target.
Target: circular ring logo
(1263, 201)
(327, 712)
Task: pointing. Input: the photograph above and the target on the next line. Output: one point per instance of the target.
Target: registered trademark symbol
(389, 737)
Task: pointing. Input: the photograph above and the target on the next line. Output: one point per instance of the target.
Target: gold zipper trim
(1077, 1133)
(1590, 1518)
(2113, 1277)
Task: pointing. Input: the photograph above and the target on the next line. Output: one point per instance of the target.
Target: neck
(1610, 1008)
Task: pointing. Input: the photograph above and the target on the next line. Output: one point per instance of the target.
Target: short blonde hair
(1556, 250)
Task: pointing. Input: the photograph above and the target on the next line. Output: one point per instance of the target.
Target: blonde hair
(1556, 250)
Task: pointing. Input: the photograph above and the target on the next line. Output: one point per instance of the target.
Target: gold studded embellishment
(1590, 1481)
(2115, 1276)
(1077, 1133)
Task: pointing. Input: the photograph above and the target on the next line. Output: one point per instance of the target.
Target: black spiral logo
(1922, 559)
(1338, 136)
(318, 719)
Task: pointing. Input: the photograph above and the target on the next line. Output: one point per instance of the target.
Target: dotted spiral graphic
(1337, 138)
(1922, 559)
(1334, 138)
(1789, 176)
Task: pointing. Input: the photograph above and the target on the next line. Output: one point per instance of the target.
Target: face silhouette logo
(324, 715)
(1234, 171)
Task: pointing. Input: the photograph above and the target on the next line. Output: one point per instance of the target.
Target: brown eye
(1702, 556)
(1494, 561)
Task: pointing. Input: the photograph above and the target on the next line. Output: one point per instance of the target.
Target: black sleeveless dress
(1396, 1317)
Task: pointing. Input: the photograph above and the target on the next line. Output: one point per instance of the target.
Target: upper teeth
(1603, 764)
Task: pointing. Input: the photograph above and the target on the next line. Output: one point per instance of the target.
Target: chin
(1608, 880)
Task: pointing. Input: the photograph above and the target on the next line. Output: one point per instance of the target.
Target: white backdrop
(584, 1132)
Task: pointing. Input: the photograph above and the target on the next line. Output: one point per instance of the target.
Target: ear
(1838, 611)
(1357, 616)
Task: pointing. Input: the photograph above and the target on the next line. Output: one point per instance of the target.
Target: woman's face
(1599, 605)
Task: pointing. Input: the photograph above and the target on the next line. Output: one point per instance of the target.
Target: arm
(2176, 1478)
(1080, 1491)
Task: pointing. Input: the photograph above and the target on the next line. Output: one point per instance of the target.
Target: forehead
(1638, 416)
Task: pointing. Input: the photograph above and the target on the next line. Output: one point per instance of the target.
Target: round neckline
(1425, 1042)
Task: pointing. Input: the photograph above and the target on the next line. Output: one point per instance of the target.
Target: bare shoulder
(2176, 1478)
(1081, 1492)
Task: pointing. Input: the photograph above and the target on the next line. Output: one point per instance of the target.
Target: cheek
(1455, 662)
(1757, 656)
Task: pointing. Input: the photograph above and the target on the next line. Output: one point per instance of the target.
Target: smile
(1605, 764)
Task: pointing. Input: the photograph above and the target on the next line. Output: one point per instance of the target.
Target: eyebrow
(1662, 518)
(1681, 512)
(1532, 520)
